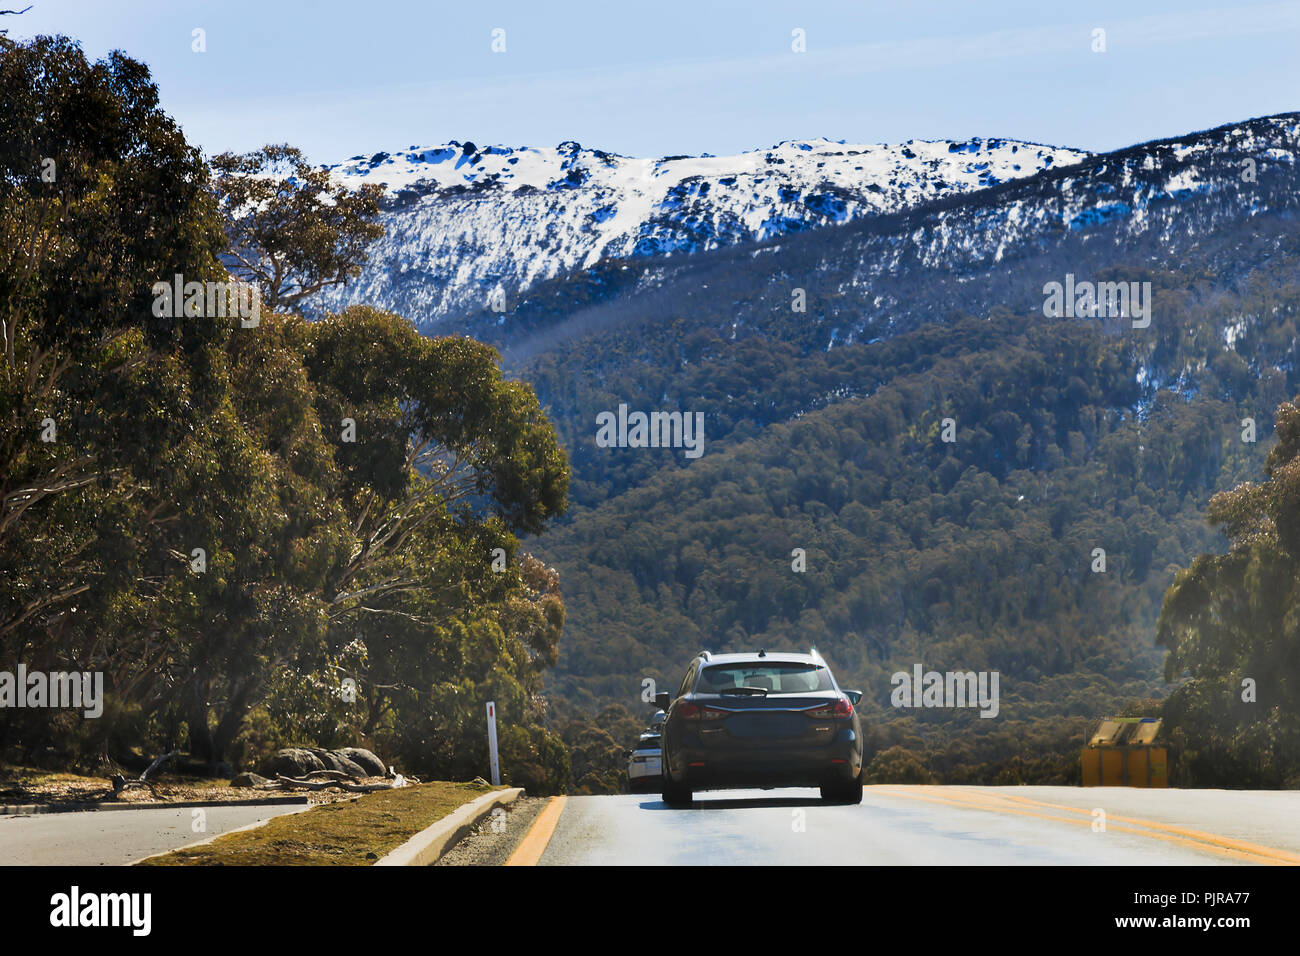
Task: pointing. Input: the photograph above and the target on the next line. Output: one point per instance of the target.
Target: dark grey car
(761, 720)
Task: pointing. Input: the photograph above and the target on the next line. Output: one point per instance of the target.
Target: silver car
(644, 765)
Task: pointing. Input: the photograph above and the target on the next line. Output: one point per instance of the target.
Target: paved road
(115, 837)
(935, 826)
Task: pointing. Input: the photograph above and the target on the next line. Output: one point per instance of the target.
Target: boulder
(369, 762)
(334, 760)
(293, 762)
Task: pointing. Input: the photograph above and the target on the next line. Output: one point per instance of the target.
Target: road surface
(116, 837)
(950, 826)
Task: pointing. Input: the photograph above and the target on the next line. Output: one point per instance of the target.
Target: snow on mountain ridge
(464, 222)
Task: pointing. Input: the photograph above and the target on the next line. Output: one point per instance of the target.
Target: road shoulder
(495, 839)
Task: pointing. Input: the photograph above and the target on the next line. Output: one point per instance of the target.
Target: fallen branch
(291, 783)
(121, 784)
(330, 774)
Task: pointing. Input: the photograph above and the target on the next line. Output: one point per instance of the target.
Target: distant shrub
(898, 765)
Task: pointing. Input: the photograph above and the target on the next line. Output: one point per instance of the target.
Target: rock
(293, 762)
(300, 761)
(247, 780)
(371, 764)
(334, 760)
(350, 767)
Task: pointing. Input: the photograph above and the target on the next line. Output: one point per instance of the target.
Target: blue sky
(660, 78)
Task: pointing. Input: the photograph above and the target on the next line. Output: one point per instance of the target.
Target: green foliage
(598, 748)
(897, 765)
(99, 197)
(1229, 621)
(327, 563)
(292, 232)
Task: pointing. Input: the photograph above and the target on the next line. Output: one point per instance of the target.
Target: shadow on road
(751, 803)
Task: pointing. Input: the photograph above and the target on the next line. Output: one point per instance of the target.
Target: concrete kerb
(427, 846)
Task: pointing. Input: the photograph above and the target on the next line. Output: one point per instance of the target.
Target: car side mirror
(854, 696)
(662, 700)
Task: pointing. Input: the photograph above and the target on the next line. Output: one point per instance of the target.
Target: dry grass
(22, 785)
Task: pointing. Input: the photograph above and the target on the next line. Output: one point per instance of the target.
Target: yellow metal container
(1122, 753)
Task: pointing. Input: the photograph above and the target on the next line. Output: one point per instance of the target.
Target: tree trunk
(202, 746)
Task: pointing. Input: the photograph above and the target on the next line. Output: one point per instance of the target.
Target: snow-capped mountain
(465, 224)
(1216, 201)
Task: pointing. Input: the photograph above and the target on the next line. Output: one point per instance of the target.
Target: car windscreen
(789, 678)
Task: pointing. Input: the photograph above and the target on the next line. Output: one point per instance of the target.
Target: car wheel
(676, 795)
(853, 792)
(839, 791)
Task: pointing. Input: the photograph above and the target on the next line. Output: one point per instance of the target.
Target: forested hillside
(1071, 435)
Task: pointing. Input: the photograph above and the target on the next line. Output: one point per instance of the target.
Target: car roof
(769, 657)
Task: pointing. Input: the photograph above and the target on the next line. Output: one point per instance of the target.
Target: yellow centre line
(1195, 839)
(534, 843)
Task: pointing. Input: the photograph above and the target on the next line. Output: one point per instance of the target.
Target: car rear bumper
(640, 772)
(713, 768)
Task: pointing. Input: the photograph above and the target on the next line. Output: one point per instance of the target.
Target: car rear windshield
(789, 678)
(648, 743)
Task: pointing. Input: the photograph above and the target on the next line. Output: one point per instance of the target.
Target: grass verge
(355, 832)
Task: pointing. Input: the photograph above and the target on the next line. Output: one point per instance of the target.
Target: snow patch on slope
(464, 222)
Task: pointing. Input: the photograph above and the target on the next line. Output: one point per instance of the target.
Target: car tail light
(696, 712)
(837, 710)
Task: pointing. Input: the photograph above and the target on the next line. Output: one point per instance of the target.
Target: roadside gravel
(485, 847)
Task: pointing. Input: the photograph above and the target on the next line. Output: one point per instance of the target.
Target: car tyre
(843, 792)
(675, 794)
